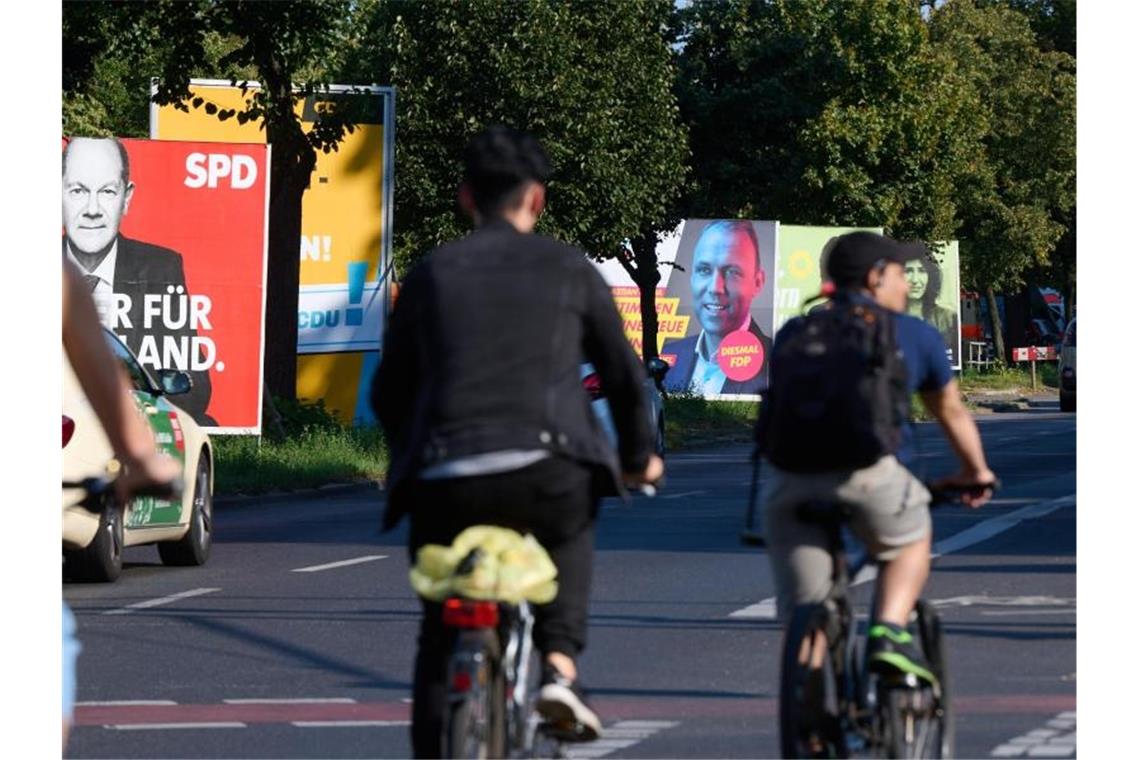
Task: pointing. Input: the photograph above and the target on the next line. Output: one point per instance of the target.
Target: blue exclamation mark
(357, 270)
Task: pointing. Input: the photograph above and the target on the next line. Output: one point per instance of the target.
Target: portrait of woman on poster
(924, 277)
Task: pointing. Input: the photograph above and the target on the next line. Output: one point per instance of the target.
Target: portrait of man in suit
(122, 273)
(725, 277)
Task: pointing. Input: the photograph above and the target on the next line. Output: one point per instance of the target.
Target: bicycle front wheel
(809, 690)
(475, 721)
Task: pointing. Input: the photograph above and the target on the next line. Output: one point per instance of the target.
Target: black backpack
(836, 397)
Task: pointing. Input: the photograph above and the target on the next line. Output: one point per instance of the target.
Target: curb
(273, 497)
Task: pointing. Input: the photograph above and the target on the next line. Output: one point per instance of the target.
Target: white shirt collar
(103, 294)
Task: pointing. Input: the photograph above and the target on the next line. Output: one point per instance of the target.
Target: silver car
(1068, 368)
(653, 399)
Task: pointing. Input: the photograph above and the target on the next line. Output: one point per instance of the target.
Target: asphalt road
(296, 640)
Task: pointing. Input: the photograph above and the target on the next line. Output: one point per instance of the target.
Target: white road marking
(342, 563)
(1004, 613)
(766, 609)
(161, 601)
(620, 735)
(349, 723)
(126, 703)
(682, 494)
(163, 726)
(1005, 601)
(298, 701)
(1057, 739)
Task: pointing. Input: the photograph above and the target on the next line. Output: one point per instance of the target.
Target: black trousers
(555, 500)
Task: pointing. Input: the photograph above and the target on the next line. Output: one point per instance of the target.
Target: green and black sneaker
(891, 649)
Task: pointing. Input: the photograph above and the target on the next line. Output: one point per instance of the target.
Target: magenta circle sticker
(740, 356)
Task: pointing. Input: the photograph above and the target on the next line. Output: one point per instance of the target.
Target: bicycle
(492, 677)
(830, 704)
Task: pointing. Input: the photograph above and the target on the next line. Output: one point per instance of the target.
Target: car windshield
(1071, 334)
(140, 378)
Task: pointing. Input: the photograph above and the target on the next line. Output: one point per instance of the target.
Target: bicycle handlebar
(96, 489)
(647, 489)
(951, 494)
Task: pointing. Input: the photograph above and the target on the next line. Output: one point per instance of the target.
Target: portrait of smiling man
(97, 192)
(725, 278)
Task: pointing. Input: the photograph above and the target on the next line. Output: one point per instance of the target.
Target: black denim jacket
(482, 353)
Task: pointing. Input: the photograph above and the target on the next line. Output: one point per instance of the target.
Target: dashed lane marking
(296, 701)
(1057, 739)
(161, 601)
(766, 609)
(166, 726)
(620, 735)
(350, 723)
(342, 563)
(682, 495)
(125, 702)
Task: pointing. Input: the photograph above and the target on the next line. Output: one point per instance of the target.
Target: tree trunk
(292, 161)
(995, 323)
(647, 277)
(283, 274)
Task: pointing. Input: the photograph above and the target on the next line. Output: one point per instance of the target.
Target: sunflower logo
(800, 264)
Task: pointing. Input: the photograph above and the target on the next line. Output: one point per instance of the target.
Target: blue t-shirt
(927, 366)
(927, 369)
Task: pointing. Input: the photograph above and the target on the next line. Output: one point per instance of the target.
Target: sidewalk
(1013, 401)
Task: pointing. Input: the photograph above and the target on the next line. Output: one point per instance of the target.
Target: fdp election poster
(715, 305)
(345, 244)
(725, 289)
(171, 238)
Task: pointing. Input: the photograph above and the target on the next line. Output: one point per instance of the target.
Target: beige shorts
(890, 509)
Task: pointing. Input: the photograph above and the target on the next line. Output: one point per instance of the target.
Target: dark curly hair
(933, 284)
(497, 164)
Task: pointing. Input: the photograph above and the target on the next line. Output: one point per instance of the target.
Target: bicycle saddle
(823, 511)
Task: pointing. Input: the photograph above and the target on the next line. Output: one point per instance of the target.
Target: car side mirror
(658, 368)
(174, 382)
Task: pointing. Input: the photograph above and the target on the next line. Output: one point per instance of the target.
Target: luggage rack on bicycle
(491, 669)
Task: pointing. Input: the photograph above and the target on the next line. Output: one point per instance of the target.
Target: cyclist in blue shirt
(890, 506)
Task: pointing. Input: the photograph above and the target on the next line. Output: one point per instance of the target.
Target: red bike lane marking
(611, 709)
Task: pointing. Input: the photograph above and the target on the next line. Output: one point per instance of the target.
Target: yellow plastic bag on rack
(508, 567)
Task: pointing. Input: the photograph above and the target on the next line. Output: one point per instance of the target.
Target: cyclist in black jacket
(487, 422)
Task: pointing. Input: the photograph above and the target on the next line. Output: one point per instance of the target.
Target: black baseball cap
(851, 256)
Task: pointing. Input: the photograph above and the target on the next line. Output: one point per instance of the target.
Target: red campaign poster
(172, 237)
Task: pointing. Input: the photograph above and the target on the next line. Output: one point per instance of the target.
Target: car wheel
(659, 441)
(1068, 402)
(194, 547)
(101, 561)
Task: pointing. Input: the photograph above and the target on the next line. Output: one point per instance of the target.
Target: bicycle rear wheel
(809, 695)
(475, 725)
(915, 720)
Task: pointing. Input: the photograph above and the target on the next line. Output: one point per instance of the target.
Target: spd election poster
(171, 236)
(345, 245)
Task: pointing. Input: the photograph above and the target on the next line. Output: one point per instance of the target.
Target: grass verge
(317, 450)
(1016, 379)
(694, 421)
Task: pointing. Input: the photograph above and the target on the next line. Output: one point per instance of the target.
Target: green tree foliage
(1018, 197)
(290, 48)
(818, 112)
(593, 81)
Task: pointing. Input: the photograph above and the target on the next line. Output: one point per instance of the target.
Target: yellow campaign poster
(345, 245)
